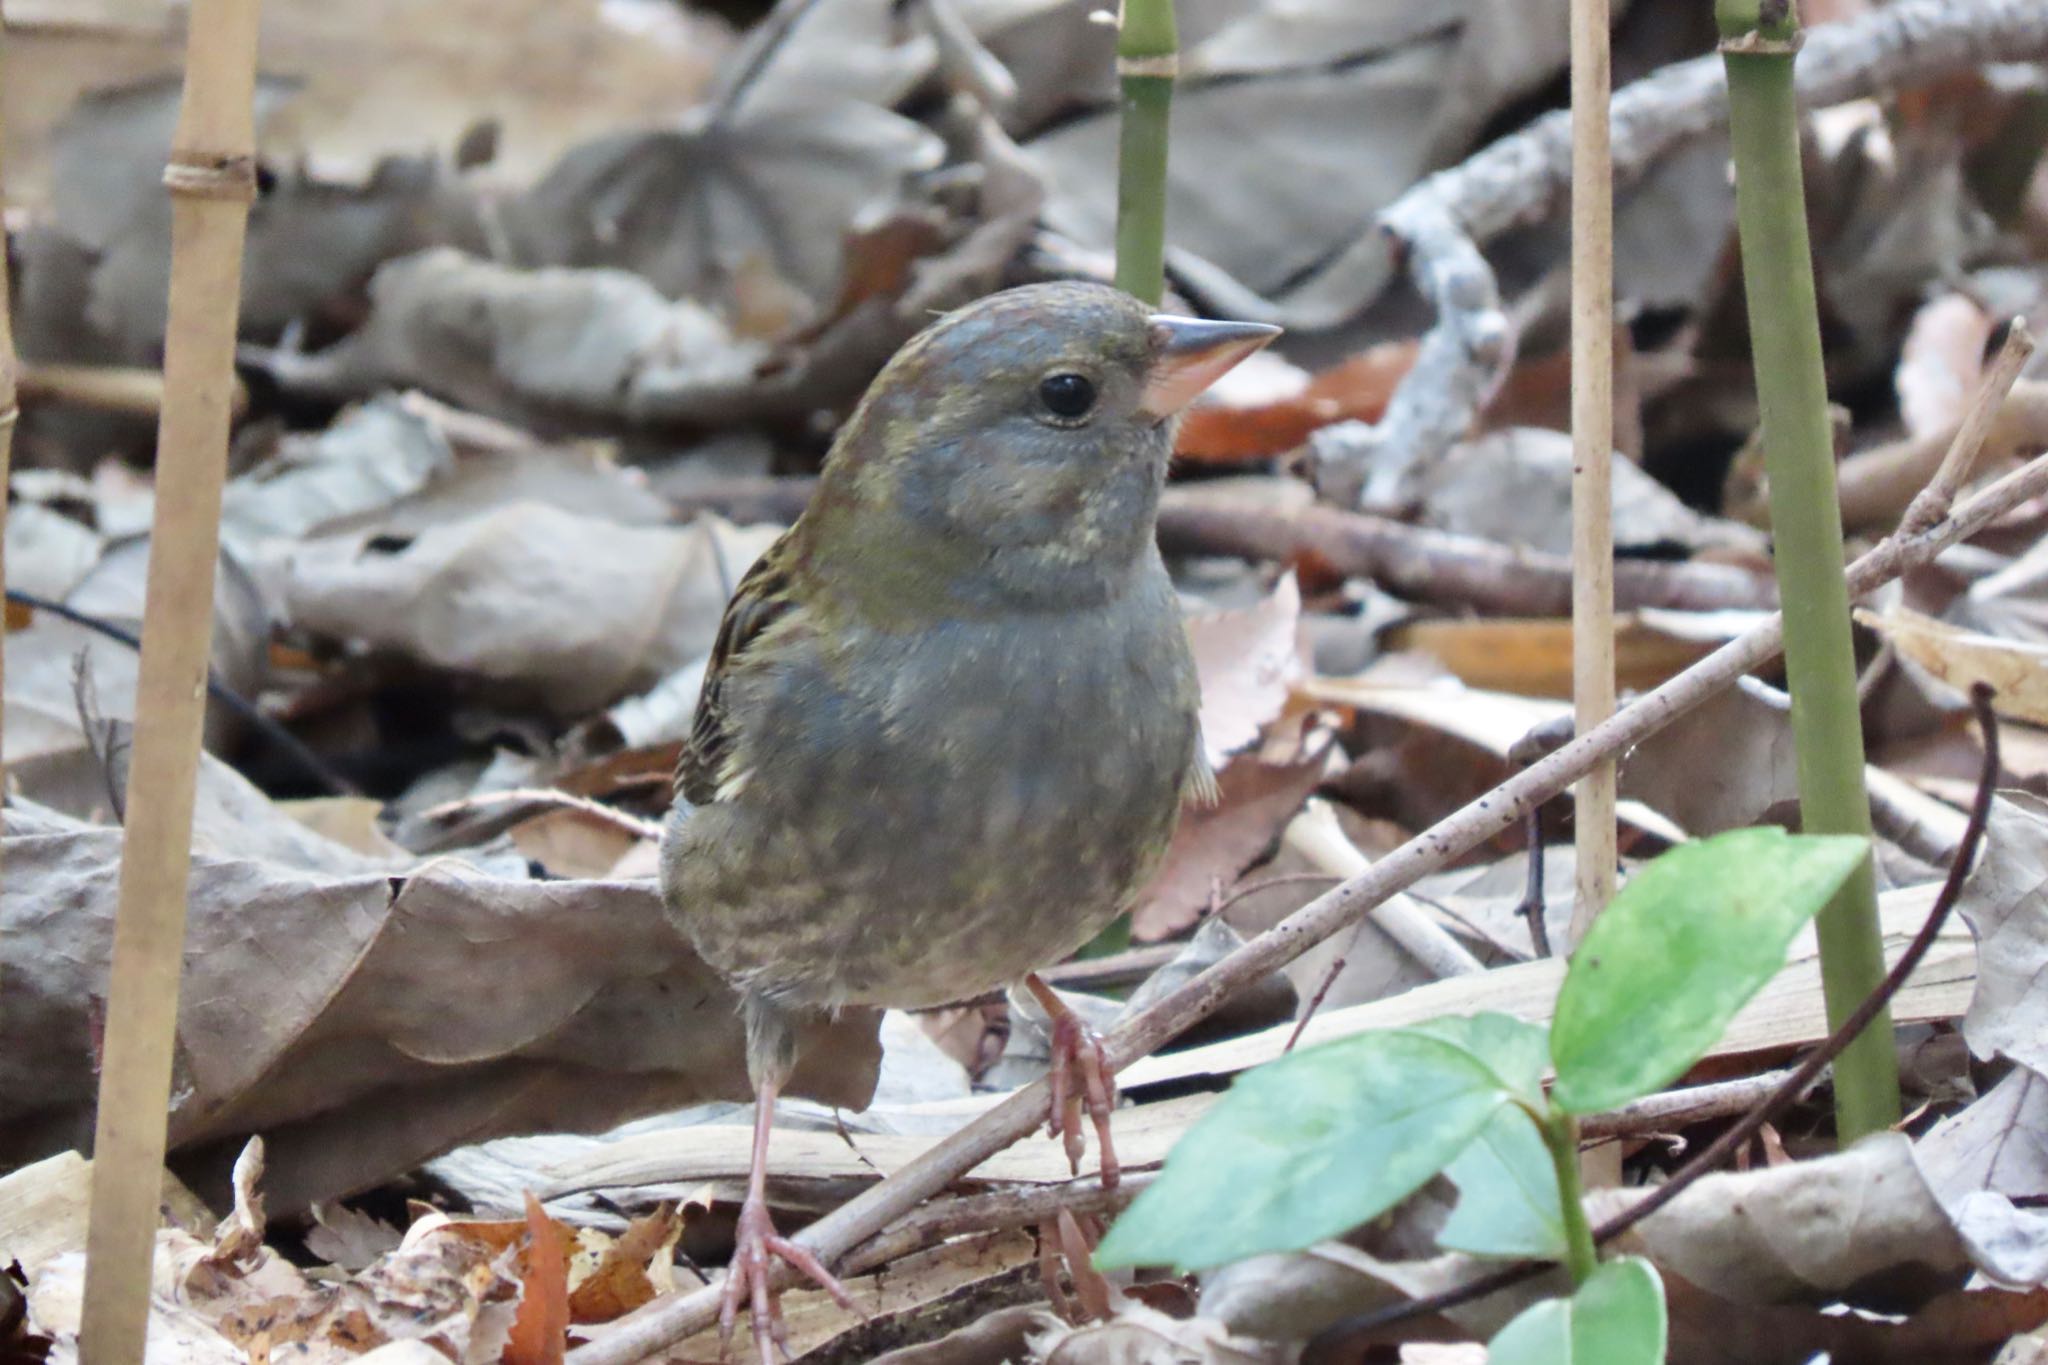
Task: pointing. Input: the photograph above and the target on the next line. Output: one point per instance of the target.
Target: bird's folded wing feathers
(761, 599)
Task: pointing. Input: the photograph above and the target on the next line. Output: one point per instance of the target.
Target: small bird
(950, 716)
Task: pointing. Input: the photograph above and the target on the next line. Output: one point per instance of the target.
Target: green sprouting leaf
(1615, 1318)
(1683, 946)
(1518, 1052)
(1308, 1147)
(1507, 1193)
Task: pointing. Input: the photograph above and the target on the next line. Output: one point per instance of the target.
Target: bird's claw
(757, 1244)
(1080, 1078)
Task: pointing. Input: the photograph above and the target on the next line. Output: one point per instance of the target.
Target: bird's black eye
(1067, 396)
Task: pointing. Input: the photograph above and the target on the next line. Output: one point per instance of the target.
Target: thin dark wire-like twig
(1535, 906)
(279, 737)
(1341, 1342)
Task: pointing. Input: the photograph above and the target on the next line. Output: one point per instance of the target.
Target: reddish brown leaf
(1216, 843)
(1222, 432)
(620, 1282)
(541, 1331)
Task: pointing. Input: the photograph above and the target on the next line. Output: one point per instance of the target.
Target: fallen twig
(133, 390)
(669, 1319)
(997, 1211)
(1674, 1109)
(1877, 484)
(1933, 500)
(1346, 1341)
(248, 712)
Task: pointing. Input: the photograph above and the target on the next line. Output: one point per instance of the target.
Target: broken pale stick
(1316, 836)
(1933, 501)
(666, 1320)
(1878, 484)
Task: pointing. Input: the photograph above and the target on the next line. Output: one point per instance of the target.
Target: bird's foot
(1080, 1080)
(747, 1280)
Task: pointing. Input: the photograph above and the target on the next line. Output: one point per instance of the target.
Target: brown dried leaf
(996, 1338)
(1217, 842)
(619, 1282)
(540, 1332)
(574, 841)
(2017, 671)
(1293, 1296)
(1272, 410)
(1248, 659)
(474, 1006)
(906, 1291)
(1533, 657)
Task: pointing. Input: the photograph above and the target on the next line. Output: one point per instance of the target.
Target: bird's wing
(761, 599)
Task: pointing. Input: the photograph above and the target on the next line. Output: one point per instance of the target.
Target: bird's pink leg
(748, 1277)
(1080, 1078)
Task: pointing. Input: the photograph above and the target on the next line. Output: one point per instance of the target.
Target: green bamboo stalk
(1758, 41)
(1147, 60)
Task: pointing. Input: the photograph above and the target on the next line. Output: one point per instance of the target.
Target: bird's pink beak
(1191, 354)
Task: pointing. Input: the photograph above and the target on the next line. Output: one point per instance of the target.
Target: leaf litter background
(550, 308)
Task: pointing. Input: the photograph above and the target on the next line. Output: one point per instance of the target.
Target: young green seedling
(1316, 1143)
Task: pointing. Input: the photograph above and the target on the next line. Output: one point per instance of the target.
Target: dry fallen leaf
(2017, 671)
(1534, 656)
(1804, 1232)
(474, 1005)
(1958, 1328)
(572, 612)
(1989, 1166)
(1248, 660)
(540, 1331)
(1214, 843)
(2005, 907)
(1941, 363)
(620, 1281)
(1266, 407)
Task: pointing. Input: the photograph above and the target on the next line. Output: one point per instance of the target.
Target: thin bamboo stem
(1147, 63)
(211, 177)
(10, 414)
(1759, 40)
(1592, 342)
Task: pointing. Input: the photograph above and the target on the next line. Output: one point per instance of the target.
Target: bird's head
(1012, 454)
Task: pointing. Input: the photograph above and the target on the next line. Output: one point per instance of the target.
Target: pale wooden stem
(10, 413)
(659, 1324)
(1592, 315)
(111, 388)
(212, 180)
(1315, 835)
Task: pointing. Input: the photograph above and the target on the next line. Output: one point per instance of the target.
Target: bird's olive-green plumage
(950, 717)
